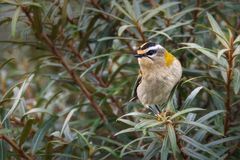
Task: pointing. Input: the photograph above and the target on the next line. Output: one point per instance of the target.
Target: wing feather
(134, 93)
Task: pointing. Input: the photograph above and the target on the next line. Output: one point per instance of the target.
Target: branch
(73, 74)
(16, 147)
(228, 102)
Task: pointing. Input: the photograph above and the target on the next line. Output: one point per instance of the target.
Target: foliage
(67, 68)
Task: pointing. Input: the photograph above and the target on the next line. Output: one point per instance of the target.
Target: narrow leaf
(194, 154)
(207, 53)
(209, 129)
(219, 33)
(67, 119)
(118, 6)
(198, 145)
(236, 80)
(18, 96)
(25, 132)
(223, 140)
(123, 28)
(184, 112)
(14, 21)
(237, 51)
(129, 9)
(128, 122)
(191, 97)
(165, 149)
(138, 114)
(237, 39)
(152, 150)
(153, 12)
(173, 141)
(221, 52)
(126, 131)
(39, 135)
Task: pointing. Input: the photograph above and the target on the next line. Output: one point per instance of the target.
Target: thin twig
(73, 74)
(14, 145)
(229, 57)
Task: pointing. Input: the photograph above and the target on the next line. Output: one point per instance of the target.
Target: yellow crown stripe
(168, 58)
(140, 52)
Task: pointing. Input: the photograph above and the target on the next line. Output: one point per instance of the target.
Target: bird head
(151, 53)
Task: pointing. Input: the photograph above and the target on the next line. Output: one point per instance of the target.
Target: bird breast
(157, 83)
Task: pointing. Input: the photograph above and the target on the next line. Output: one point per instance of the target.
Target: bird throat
(168, 58)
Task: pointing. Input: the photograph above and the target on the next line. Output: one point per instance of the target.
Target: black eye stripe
(151, 52)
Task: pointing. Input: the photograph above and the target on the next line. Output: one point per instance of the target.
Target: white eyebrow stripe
(153, 48)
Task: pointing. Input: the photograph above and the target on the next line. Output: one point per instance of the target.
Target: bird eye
(151, 52)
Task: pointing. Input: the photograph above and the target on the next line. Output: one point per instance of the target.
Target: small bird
(159, 73)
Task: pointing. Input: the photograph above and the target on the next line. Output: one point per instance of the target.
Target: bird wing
(134, 93)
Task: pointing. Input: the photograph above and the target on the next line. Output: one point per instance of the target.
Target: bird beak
(139, 55)
(142, 56)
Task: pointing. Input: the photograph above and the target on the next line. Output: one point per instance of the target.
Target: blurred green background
(67, 72)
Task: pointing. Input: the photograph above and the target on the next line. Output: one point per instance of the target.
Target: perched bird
(159, 73)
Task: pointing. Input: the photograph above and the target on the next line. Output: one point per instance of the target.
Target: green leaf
(83, 138)
(237, 39)
(31, 4)
(6, 62)
(111, 15)
(14, 21)
(126, 131)
(197, 124)
(9, 2)
(152, 150)
(123, 28)
(129, 9)
(3, 150)
(176, 25)
(149, 14)
(165, 149)
(127, 146)
(147, 124)
(139, 114)
(118, 6)
(39, 135)
(209, 115)
(136, 7)
(18, 96)
(219, 33)
(158, 33)
(220, 52)
(223, 140)
(179, 15)
(191, 97)
(108, 149)
(173, 141)
(207, 53)
(237, 51)
(236, 80)
(198, 145)
(194, 154)
(184, 112)
(67, 119)
(128, 122)
(25, 132)
(38, 110)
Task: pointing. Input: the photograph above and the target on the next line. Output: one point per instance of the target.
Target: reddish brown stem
(73, 74)
(229, 57)
(42, 36)
(140, 32)
(15, 147)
